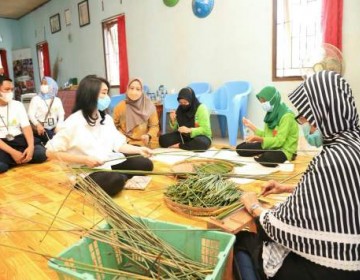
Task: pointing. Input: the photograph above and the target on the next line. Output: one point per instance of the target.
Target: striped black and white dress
(320, 221)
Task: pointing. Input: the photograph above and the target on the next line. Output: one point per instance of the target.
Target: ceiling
(15, 9)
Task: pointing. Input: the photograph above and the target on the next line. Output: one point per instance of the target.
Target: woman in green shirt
(191, 124)
(279, 140)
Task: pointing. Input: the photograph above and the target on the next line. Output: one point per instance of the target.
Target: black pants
(266, 158)
(112, 182)
(20, 144)
(198, 143)
(49, 134)
(294, 266)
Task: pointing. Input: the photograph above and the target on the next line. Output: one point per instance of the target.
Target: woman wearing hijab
(315, 233)
(136, 117)
(89, 137)
(279, 140)
(46, 111)
(191, 124)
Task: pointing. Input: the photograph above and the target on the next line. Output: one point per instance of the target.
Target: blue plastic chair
(200, 88)
(229, 102)
(235, 88)
(146, 89)
(170, 103)
(115, 100)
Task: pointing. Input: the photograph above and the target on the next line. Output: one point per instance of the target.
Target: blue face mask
(103, 103)
(315, 138)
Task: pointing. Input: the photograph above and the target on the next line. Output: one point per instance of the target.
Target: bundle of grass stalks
(152, 256)
(204, 190)
(216, 167)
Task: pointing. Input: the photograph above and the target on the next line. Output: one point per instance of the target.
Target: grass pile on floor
(204, 190)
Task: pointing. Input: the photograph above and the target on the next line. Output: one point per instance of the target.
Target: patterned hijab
(320, 220)
(186, 116)
(138, 111)
(273, 118)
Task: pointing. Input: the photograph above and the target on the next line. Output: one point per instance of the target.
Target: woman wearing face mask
(136, 117)
(191, 123)
(89, 137)
(315, 233)
(46, 111)
(279, 140)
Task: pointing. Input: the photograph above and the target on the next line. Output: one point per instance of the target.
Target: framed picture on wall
(55, 25)
(84, 15)
(67, 15)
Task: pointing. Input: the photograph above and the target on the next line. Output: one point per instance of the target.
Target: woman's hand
(248, 124)
(145, 139)
(92, 162)
(172, 116)
(249, 199)
(251, 203)
(273, 187)
(145, 152)
(184, 129)
(40, 129)
(254, 138)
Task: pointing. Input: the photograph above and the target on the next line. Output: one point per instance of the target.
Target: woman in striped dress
(315, 233)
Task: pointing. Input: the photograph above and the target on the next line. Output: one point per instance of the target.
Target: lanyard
(9, 137)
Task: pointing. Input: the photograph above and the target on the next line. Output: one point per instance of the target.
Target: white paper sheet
(171, 156)
(137, 183)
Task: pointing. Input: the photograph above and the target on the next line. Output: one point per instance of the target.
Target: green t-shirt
(285, 136)
(202, 123)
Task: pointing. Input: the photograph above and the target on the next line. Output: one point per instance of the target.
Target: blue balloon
(202, 8)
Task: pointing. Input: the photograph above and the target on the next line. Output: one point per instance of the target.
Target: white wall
(171, 46)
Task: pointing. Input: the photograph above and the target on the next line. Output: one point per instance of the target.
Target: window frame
(104, 23)
(275, 78)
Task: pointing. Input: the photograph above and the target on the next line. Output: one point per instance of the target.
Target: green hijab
(273, 118)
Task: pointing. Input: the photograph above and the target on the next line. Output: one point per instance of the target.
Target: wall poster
(23, 72)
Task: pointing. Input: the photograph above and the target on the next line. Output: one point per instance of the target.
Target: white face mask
(7, 96)
(267, 107)
(44, 88)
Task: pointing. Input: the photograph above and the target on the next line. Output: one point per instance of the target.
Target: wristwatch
(253, 207)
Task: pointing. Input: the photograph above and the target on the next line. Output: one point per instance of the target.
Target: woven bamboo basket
(189, 210)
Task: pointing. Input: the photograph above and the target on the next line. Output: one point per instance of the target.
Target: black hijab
(186, 115)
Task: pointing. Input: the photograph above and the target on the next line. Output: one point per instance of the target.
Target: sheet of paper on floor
(224, 154)
(137, 183)
(171, 156)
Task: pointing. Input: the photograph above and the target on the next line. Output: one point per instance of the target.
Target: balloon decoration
(202, 8)
(170, 3)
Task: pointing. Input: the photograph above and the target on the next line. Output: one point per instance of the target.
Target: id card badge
(50, 121)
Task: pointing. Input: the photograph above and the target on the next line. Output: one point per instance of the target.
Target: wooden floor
(31, 195)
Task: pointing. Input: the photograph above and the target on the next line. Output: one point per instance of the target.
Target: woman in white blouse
(89, 137)
(46, 111)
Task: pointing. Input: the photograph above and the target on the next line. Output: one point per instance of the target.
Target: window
(43, 59)
(111, 45)
(296, 37)
(114, 34)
